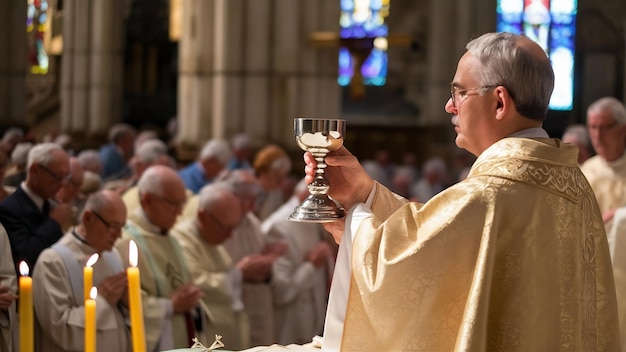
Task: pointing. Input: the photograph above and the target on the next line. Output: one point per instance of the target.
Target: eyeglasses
(172, 203)
(462, 93)
(222, 228)
(59, 178)
(109, 226)
(603, 128)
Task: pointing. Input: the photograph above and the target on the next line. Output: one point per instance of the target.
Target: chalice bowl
(319, 136)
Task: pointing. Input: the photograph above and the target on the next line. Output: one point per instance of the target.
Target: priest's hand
(112, 289)
(6, 297)
(349, 183)
(186, 298)
(336, 229)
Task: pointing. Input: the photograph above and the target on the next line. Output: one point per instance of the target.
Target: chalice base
(317, 208)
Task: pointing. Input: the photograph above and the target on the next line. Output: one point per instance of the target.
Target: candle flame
(93, 293)
(92, 260)
(24, 268)
(132, 253)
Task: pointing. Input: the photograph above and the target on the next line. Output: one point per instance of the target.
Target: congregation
(217, 254)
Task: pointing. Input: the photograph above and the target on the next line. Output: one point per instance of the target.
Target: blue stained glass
(554, 32)
(363, 19)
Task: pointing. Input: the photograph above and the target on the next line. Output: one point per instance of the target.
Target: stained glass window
(36, 27)
(552, 24)
(363, 41)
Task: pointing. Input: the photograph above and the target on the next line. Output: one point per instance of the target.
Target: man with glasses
(170, 300)
(606, 171)
(219, 212)
(31, 221)
(514, 257)
(58, 294)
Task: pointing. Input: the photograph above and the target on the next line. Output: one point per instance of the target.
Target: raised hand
(349, 183)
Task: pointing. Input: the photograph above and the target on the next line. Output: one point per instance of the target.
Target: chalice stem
(320, 184)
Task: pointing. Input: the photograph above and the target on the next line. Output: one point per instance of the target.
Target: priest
(513, 258)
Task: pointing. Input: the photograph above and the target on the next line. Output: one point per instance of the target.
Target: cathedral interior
(221, 67)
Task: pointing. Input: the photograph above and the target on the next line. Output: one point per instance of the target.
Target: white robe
(300, 289)
(60, 318)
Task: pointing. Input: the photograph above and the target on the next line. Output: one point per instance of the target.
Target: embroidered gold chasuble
(514, 258)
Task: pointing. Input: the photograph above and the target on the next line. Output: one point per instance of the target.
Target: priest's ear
(504, 102)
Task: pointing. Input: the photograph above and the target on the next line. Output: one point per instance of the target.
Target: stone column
(12, 62)
(91, 80)
(443, 53)
(106, 57)
(246, 66)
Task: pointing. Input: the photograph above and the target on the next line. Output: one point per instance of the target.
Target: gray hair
(528, 79)
(96, 201)
(434, 164)
(120, 130)
(241, 141)
(19, 155)
(150, 181)
(150, 150)
(212, 194)
(13, 133)
(578, 133)
(89, 159)
(42, 154)
(243, 183)
(612, 105)
(216, 149)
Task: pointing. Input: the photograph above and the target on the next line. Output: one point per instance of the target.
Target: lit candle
(26, 309)
(90, 321)
(88, 275)
(134, 299)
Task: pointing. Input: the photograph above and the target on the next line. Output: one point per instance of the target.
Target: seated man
(169, 296)
(58, 295)
(212, 268)
(300, 278)
(31, 221)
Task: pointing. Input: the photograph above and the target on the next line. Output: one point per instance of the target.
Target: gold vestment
(514, 258)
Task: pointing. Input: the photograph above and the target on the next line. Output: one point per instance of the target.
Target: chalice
(318, 136)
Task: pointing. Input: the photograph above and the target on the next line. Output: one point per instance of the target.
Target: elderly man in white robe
(58, 294)
(300, 277)
(169, 296)
(254, 256)
(8, 296)
(211, 267)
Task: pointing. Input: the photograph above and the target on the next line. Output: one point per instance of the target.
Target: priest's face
(469, 104)
(607, 136)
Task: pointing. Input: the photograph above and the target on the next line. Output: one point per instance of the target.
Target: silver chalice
(319, 136)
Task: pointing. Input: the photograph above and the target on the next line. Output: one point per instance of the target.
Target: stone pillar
(246, 66)
(106, 64)
(443, 53)
(91, 80)
(12, 62)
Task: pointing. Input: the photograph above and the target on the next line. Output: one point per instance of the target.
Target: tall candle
(90, 321)
(134, 299)
(26, 309)
(88, 275)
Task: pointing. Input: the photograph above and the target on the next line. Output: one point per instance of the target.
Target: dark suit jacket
(30, 231)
